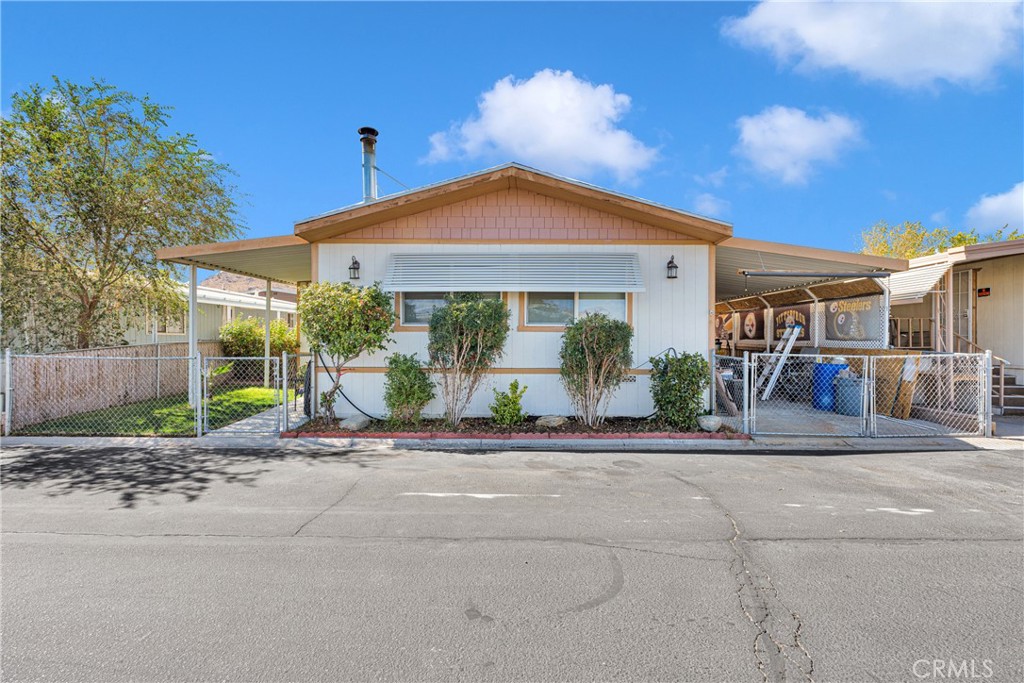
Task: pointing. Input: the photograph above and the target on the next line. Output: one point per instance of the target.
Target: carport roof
(736, 254)
(282, 259)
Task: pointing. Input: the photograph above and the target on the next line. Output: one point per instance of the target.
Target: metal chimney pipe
(368, 136)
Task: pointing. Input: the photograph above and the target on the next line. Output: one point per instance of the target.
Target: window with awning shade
(514, 272)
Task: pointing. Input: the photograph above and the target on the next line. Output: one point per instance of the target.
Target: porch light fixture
(673, 269)
(353, 270)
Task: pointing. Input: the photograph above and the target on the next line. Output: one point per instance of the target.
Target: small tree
(596, 358)
(467, 336)
(677, 386)
(507, 408)
(909, 240)
(407, 388)
(344, 321)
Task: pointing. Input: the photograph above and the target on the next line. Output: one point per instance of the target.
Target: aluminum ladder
(778, 359)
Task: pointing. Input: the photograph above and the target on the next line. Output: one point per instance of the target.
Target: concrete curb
(819, 445)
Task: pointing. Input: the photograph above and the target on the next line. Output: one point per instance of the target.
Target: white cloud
(993, 211)
(553, 120)
(707, 204)
(787, 143)
(940, 217)
(908, 44)
(713, 179)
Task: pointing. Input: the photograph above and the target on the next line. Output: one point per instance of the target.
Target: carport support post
(7, 391)
(193, 340)
(266, 339)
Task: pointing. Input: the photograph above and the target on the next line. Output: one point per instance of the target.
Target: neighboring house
(979, 288)
(216, 307)
(551, 248)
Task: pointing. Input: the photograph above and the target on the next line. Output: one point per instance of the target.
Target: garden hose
(342, 391)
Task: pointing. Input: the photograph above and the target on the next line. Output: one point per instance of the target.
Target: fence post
(866, 393)
(8, 383)
(986, 388)
(284, 394)
(198, 391)
(712, 360)
(748, 368)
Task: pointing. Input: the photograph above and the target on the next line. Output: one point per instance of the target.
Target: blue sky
(797, 123)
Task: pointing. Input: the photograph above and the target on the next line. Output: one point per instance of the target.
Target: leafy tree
(596, 357)
(93, 183)
(344, 321)
(909, 240)
(466, 337)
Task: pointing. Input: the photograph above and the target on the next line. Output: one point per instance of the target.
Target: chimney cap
(367, 132)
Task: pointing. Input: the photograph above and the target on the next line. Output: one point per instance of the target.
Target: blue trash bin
(823, 391)
(850, 396)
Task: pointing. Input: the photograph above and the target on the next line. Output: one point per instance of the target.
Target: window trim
(524, 326)
(422, 327)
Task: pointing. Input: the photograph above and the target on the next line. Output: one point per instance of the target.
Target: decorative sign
(723, 325)
(751, 325)
(985, 291)
(791, 315)
(854, 319)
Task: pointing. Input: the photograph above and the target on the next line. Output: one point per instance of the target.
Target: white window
(166, 323)
(417, 307)
(562, 308)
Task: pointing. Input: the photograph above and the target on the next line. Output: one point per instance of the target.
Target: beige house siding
(1000, 316)
(670, 313)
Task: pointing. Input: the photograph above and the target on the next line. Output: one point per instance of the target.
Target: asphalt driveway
(178, 564)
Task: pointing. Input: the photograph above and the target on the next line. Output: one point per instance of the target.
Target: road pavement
(181, 564)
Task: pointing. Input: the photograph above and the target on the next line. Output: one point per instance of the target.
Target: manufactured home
(554, 249)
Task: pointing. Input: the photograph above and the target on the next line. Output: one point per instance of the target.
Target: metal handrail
(1001, 362)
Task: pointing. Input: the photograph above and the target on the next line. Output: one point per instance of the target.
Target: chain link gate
(927, 394)
(242, 395)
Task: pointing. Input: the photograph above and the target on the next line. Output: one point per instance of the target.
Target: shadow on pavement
(138, 473)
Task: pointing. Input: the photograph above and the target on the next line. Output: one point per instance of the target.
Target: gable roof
(509, 176)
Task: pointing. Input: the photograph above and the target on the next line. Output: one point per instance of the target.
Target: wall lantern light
(673, 269)
(353, 270)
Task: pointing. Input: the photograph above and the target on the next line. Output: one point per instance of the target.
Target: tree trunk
(84, 325)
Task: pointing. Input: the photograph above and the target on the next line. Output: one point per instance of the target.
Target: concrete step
(1013, 410)
(1010, 381)
(1015, 401)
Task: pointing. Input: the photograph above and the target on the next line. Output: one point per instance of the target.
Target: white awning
(531, 272)
(911, 286)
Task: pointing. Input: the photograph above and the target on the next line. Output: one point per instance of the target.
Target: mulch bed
(482, 428)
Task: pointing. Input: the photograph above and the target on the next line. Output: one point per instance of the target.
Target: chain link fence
(867, 395)
(807, 394)
(242, 395)
(68, 395)
(300, 387)
(930, 394)
(728, 390)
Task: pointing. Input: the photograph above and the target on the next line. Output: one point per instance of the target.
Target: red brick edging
(426, 436)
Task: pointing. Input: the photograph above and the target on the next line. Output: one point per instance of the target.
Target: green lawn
(167, 416)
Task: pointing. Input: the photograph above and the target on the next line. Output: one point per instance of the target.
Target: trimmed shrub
(244, 337)
(407, 388)
(596, 356)
(677, 386)
(344, 321)
(507, 409)
(466, 337)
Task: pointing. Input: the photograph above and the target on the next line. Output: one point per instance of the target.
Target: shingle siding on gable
(515, 215)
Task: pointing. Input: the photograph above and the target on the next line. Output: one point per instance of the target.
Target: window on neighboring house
(166, 323)
(416, 307)
(562, 308)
